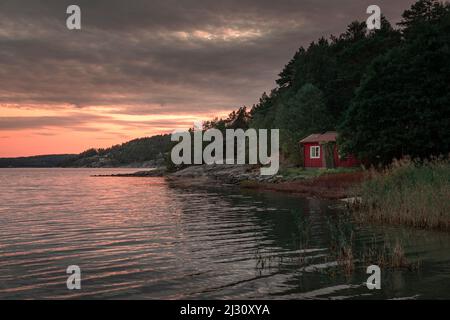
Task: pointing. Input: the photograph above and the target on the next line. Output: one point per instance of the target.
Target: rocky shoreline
(330, 186)
(230, 174)
(158, 172)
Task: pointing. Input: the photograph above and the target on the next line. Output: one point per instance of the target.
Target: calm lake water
(142, 238)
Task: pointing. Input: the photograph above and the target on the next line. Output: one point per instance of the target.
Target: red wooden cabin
(314, 151)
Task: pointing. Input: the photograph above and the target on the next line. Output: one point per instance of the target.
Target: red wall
(350, 160)
(312, 163)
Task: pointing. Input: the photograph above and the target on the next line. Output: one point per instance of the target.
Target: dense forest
(134, 151)
(386, 91)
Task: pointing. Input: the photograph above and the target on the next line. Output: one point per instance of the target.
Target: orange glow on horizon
(37, 131)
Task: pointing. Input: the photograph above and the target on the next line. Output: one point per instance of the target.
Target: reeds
(386, 256)
(341, 231)
(346, 252)
(408, 193)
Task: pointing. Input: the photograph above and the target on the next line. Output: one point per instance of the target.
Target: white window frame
(312, 152)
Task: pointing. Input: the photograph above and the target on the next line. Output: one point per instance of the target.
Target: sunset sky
(139, 68)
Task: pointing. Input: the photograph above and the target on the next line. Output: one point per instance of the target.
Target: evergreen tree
(303, 113)
(403, 104)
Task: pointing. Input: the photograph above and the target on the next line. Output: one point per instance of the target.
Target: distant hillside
(145, 152)
(45, 161)
(148, 151)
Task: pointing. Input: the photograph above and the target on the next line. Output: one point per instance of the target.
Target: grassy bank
(407, 193)
(329, 185)
(302, 173)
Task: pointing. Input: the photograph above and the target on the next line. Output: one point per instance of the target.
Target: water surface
(142, 238)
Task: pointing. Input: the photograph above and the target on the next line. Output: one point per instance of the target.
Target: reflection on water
(143, 238)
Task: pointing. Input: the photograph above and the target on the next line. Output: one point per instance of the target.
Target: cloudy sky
(138, 68)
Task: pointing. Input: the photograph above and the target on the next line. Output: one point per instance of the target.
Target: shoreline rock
(159, 172)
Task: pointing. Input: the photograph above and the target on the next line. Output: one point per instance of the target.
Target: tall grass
(342, 234)
(408, 193)
(347, 253)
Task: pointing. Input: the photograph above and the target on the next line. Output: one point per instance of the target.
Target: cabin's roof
(320, 137)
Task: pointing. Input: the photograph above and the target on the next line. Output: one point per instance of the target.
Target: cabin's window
(315, 152)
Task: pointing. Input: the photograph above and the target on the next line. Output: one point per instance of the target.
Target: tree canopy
(386, 91)
(402, 106)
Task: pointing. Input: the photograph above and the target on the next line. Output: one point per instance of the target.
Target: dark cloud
(74, 120)
(81, 122)
(152, 57)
